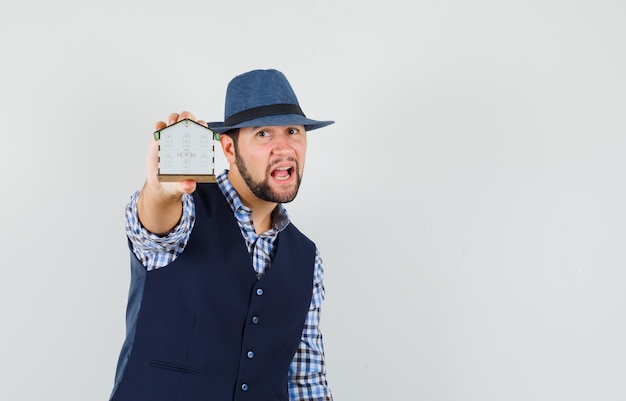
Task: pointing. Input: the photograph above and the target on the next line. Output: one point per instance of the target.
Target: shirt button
(259, 291)
(244, 387)
(250, 354)
(255, 320)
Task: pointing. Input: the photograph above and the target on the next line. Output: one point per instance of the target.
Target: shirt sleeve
(307, 372)
(152, 250)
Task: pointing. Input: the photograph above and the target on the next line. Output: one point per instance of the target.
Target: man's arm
(155, 251)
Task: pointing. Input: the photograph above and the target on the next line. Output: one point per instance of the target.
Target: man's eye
(294, 131)
(262, 133)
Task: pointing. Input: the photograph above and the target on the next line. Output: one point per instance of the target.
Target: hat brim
(281, 120)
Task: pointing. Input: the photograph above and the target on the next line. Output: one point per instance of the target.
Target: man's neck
(261, 209)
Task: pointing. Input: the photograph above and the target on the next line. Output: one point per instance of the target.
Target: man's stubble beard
(262, 189)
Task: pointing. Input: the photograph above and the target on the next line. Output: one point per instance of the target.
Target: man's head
(269, 160)
(264, 134)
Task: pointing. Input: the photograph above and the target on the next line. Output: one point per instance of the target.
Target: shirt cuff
(149, 247)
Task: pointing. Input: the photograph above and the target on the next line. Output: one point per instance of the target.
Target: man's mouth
(282, 173)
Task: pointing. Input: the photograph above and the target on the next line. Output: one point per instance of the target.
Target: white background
(468, 203)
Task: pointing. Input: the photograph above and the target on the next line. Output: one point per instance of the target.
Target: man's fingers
(187, 186)
(152, 164)
(159, 125)
(172, 118)
(176, 117)
(186, 114)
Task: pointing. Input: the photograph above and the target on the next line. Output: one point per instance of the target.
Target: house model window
(186, 152)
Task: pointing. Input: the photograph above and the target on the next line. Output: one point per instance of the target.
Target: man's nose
(282, 145)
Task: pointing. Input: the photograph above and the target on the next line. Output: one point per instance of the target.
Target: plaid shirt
(307, 372)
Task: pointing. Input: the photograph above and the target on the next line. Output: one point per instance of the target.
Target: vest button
(259, 291)
(244, 387)
(250, 354)
(255, 319)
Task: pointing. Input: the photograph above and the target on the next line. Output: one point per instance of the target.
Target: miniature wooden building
(186, 152)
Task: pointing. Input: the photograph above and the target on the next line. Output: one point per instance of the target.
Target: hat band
(263, 111)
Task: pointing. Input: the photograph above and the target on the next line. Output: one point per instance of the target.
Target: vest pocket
(175, 367)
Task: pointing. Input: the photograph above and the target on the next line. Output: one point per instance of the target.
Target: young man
(225, 292)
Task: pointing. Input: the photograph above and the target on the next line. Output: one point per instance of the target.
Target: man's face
(271, 160)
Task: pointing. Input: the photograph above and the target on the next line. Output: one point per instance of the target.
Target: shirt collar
(280, 218)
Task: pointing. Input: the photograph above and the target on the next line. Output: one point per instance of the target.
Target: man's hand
(167, 189)
(160, 204)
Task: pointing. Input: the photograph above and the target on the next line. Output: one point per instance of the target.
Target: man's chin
(282, 196)
(288, 199)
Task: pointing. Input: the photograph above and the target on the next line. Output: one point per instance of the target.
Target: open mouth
(282, 173)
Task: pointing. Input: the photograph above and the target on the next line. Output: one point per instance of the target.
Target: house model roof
(186, 151)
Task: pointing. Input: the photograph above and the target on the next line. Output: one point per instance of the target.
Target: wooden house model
(186, 152)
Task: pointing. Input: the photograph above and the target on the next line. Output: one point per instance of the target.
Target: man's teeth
(281, 176)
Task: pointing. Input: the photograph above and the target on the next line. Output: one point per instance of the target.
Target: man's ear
(228, 147)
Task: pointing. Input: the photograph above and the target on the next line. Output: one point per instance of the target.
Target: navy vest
(204, 327)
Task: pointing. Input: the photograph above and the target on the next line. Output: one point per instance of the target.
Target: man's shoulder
(294, 231)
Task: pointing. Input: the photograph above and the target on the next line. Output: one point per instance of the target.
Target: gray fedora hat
(261, 98)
